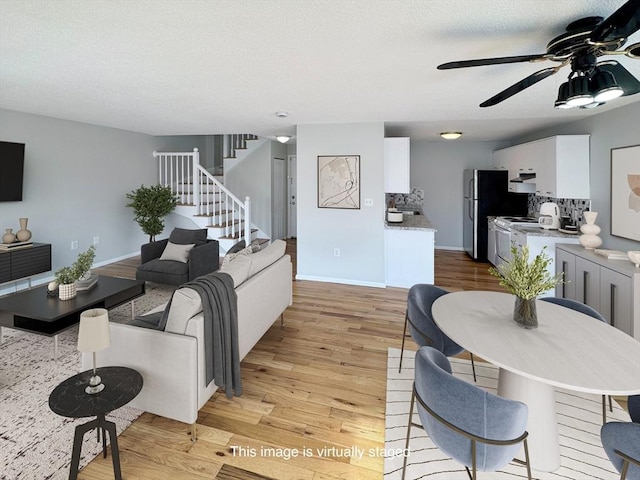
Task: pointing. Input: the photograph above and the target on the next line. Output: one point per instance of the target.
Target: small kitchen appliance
(549, 218)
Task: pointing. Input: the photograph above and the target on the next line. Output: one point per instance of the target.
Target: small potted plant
(66, 277)
(526, 280)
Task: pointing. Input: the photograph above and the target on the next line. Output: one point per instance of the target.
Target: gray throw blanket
(220, 310)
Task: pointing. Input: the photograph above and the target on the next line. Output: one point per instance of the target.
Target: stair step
(236, 236)
(225, 224)
(213, 214)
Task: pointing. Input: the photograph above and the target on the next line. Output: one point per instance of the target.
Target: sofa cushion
(265, 257)
(177, 252)
(239, 269)
(183, 236)
(149, 320)
(168, 267)
(185, 303)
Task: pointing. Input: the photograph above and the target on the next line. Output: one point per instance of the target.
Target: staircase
(202, 196)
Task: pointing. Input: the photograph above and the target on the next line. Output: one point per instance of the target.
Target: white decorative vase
(589, 238)
(67, 291)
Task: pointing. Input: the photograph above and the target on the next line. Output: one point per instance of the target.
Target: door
(615, 299)
(492, 252)
(470, 205)
(588, 283)
(566, 263)
(292, 189)
(279, 195)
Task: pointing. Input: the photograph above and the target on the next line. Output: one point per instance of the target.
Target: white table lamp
(94, 336)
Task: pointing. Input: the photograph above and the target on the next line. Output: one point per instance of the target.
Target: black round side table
(69, 399)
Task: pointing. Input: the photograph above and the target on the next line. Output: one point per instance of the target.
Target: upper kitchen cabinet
(563, 166)
(518, 161)
(396, 165)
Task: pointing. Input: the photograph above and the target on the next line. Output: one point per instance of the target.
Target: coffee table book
(15, 245)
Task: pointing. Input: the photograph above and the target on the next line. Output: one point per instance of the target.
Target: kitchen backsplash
(570, 207)
(413, 198)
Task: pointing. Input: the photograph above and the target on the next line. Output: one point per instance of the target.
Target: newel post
(195, 179)
(247, 220)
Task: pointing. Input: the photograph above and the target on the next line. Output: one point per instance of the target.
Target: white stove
(508, 222)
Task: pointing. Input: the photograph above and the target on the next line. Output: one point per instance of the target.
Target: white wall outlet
(368, 202)
(336, 252)
(96, 240)
(74, 244)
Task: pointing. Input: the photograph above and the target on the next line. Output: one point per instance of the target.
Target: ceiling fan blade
(629, 84)
(491, 61)
(620, 24)
(521, 85)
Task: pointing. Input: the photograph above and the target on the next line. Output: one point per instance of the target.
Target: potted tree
(150, 206)
(66, 277)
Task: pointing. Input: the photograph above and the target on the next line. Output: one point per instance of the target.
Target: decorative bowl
(634, 256)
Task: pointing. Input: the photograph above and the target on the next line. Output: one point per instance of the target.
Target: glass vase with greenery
(150, 206)
(526, 280)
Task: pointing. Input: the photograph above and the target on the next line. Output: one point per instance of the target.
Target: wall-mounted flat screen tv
(11, 171)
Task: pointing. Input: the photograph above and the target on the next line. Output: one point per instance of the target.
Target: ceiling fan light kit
(590, 83)
(451, 135)
(283, 138)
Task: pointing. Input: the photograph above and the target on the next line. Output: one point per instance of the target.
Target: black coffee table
(69, 399)
(33, 311)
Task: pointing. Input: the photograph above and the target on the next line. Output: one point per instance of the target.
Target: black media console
(24, 262)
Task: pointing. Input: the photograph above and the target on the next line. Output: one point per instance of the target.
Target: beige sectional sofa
(172, 361)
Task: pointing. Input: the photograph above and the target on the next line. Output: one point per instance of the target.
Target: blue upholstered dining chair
(592, 312)
(423, 328)
(476, 428)
(621, 441)
(633, 403)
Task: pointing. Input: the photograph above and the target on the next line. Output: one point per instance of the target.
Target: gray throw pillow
(237, 247)
(177, 253)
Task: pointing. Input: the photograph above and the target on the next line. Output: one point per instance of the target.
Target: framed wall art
(625, 192)
(339, 181)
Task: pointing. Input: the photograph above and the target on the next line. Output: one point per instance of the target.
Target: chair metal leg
(473, 367)
(526, 459)
(473, 459)
(604, 409)
(406, 443)
(404, 336)
(610, 404)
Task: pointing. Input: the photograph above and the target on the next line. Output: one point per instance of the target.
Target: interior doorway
(279, 198)
(292, 200)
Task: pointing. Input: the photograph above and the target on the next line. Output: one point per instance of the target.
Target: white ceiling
(171, 67)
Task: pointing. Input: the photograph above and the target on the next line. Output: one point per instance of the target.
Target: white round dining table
(568, 349)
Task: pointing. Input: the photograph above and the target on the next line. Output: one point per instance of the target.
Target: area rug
(579, 422)
(35, 443)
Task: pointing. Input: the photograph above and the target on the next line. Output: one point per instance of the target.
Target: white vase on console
(589, 238)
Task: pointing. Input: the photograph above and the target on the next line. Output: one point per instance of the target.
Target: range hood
(523, 177)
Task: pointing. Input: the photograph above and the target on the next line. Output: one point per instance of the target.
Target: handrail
(194, 185)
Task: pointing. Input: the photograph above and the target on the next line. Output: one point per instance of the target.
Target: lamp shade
(94, 335)
(563, 93)
(579, 93)
(604, 86)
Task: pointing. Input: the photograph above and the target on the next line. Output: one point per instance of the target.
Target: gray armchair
(202, 258)
(476, 428)
(621, 441)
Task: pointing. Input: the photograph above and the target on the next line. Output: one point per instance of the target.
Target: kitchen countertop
(411, 222)
(541, 232)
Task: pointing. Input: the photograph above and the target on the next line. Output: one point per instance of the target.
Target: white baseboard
(343, 281)
(454, 249)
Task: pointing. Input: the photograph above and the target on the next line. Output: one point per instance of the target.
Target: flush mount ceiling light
(451, 135)
(283, 138)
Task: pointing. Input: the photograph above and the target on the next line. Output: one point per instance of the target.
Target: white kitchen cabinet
(561, 165)
(538, 241)
(397, 161)
(409, 257)
(562, 169)
(612, 287)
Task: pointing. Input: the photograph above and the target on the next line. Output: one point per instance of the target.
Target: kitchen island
(409, 245)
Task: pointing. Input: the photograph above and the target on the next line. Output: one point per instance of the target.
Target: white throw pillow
(230, 257)
(238, 269)
(178, 253)
(185, 304)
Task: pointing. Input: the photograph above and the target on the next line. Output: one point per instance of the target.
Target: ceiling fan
(591, 82)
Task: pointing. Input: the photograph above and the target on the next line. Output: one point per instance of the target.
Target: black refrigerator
(486, 194)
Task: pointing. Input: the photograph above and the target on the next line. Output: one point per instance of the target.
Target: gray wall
(75, 180)
(359, 234)
(613, 129)
(437, 167)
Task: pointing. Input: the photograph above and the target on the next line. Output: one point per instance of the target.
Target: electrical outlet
(74, 244)
(96, 240)
(368, 202)
(336, 252)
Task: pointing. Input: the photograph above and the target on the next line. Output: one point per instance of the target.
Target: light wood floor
(319, 383)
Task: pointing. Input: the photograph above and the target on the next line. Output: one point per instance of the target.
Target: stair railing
(194, 185)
